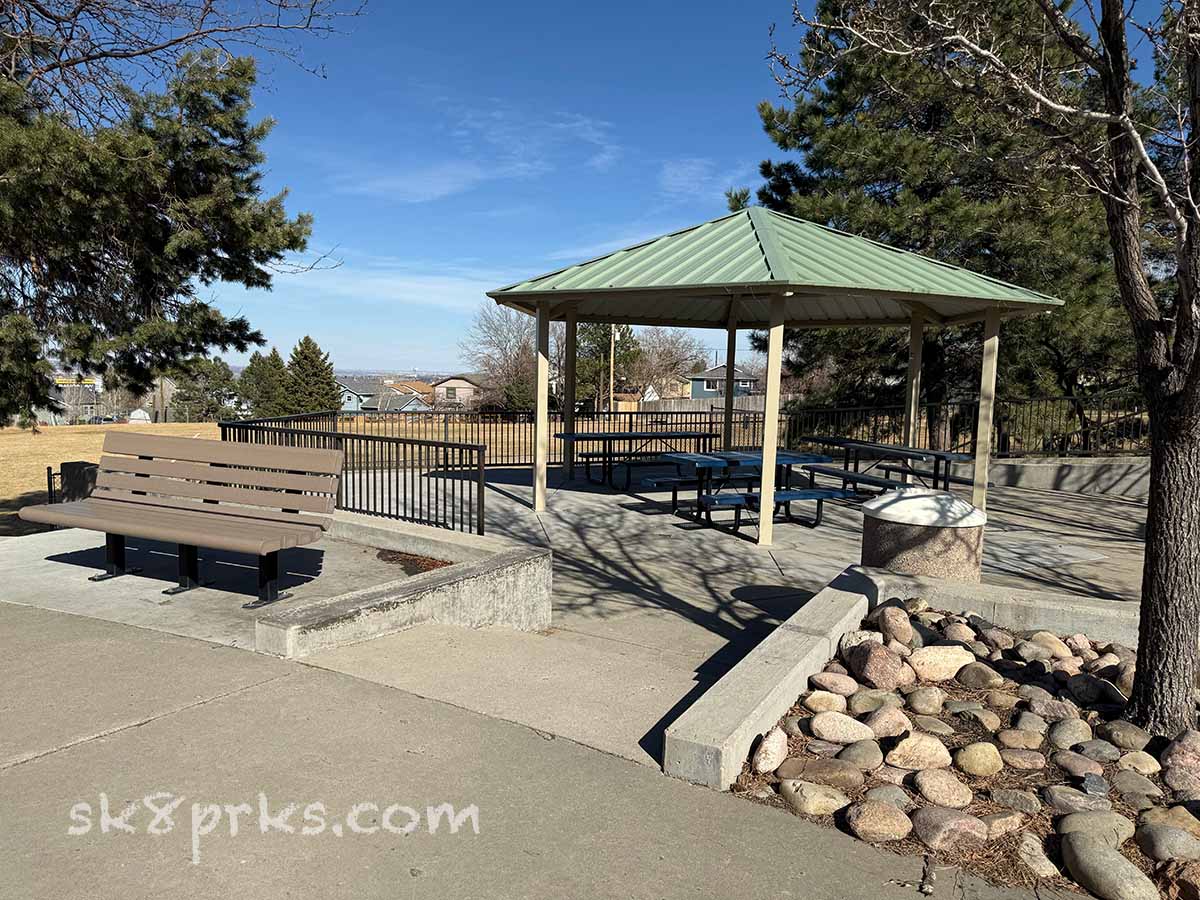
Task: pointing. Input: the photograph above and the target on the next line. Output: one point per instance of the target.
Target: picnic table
(609, 453)
(892, 458)
(707, 464)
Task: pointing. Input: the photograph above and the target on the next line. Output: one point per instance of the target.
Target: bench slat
(230, 453)
(172, 487)
(218, 512)
(198, 518)
(854, 477)
(285, 481)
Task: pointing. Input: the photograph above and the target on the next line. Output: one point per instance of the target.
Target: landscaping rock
(894, 624)
(1025, 760)
(1183, 780)
(1027, 721)
(1019, 739)
(979, 676)
(943, 829)
(940, 663)
(888, 721)
(875, 822)
(864, 755)
(1139, 761)
(926, 701)
(772, 750)
(980, 759)
(1111, 828)
(1175, 816)
(1054, 710)
(1021, 801)
(956, 706)
(875, 665)
(891, 775)
(1183, 752)
(918, 751)
(1069, 732)
(1124, 734)
(1075, 764)
(832, 772)
(824, 701)
(867, 700)
(823, 748)
(1031, 853)
(957, 631)
(1100, 751)
(1164, 842)
(812, 799)
(1104, 871)
(1130, 783)
(792, 727)
(1001, 701)
(842, 685)
(997, 637)
(933, 726)
(1053, 643)
(941, 788)
(1069, 800)
(1094, 784)
(984, 718)
(1180, 880)
(893, 794)
(1002, 823)
(1029, 651)
(840, 728)
(852, 639)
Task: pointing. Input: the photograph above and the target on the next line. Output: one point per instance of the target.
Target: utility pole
(612, 360)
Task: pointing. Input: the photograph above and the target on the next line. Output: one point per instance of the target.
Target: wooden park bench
(242, 498)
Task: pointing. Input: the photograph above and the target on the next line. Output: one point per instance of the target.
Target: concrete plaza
(554, 736)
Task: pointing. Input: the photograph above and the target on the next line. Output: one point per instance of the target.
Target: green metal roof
(699, 276)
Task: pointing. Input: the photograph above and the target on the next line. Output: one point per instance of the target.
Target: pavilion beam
(570, 352)
(912, 390)
(987, 404)
(541, 418)
(766, 501)
(730, 382)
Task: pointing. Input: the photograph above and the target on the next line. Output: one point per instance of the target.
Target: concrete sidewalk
(91, 707)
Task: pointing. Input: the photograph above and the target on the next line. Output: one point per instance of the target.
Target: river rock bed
(999, 751)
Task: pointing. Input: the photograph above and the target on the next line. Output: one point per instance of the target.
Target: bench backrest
(257, 481)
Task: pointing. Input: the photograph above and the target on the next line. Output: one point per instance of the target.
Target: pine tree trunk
(1164, 699)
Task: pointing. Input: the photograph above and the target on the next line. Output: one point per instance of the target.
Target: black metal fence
(437, 483)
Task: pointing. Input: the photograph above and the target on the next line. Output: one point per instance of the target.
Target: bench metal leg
(189, 570)
(268, 580)
(114, 559)
(737, 519)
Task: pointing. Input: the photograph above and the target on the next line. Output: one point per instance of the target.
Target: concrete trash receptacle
(919, 531)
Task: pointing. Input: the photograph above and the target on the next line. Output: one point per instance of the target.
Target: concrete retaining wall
(712, 739)
(491, 581)
(1118, 476)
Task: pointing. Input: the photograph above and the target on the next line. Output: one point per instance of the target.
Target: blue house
(375, 395)
(710, 384)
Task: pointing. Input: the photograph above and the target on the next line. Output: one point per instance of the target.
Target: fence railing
(437, 483)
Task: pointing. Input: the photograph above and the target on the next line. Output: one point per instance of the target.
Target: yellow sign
(62, 380)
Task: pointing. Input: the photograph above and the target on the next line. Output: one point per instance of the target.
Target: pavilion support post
(570, 353)
(912, 390)
(766, 502)
(541, 418)
(730, 382)
(987, 403)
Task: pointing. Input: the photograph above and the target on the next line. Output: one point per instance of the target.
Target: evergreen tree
(263, 385)
(106, 234)
(880, 145)
(205, 391)
(310, 383)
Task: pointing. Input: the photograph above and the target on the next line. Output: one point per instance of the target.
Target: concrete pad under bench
(489, 582)
(711, 741)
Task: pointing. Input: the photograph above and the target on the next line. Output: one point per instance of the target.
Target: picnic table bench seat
(849, 476)
(786, 498)
(936, 476)
(242, 498)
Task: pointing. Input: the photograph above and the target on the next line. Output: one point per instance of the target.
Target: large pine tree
(310, 383)
(879, 149)
(263, 384)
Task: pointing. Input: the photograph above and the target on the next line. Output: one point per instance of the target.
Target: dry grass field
(24, 456)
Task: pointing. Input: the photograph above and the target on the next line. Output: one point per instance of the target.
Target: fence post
(479, 492)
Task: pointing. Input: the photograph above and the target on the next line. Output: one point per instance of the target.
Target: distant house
(420, 388)
(677, 387)
(464, 391)
(355, 391)
(394, 401)
(710, 383)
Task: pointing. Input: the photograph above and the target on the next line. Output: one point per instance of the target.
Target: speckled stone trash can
(918, 531)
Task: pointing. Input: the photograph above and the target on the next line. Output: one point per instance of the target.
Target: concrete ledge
(489, 582)
(1112, 476)
(712, 739)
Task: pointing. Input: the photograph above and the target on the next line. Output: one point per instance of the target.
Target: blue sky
(451, 150)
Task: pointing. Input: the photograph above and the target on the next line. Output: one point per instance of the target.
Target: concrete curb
(712, 739)
(490, 582)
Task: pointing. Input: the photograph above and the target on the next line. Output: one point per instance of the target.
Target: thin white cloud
(417, 185)
(689, 178)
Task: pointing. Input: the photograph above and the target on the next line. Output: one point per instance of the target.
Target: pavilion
(759, 269)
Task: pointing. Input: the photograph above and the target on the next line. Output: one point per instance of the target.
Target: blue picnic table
(610, 452)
